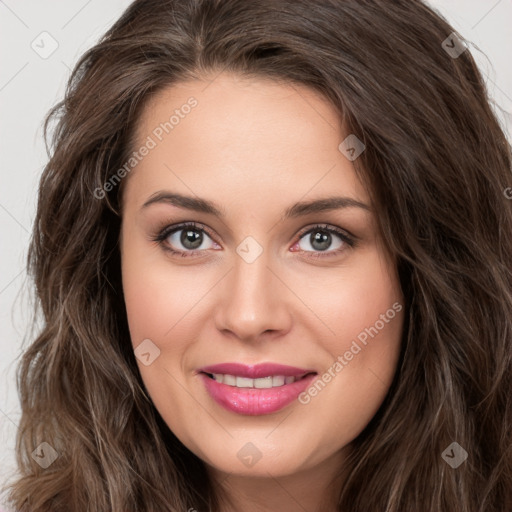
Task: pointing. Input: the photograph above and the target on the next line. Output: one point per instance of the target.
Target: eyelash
(163, 234)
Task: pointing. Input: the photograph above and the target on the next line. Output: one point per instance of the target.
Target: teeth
(261, 383)
(244, 382)
(230, 380)
(278, 380)
(264, 382)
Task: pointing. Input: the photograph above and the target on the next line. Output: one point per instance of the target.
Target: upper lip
(256, 371)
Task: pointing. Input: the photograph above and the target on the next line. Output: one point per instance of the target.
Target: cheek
(159, 302)
(160, 307)
(366, 314)
(354, 300)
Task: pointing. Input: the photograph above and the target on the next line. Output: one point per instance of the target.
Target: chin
(251, 459)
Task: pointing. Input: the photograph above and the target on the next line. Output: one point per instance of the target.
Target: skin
(256, 147)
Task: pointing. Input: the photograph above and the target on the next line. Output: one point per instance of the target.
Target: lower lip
(254, 401)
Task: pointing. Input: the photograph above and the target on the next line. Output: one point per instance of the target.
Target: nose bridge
(252, 300)
(251, 278)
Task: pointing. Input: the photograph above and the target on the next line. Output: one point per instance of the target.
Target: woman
(273, 253)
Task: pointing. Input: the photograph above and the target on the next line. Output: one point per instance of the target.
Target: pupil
(191, 239)
(323, 238)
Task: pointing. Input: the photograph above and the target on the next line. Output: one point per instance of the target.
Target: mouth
(255, 389)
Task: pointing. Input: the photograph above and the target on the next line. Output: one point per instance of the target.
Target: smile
(255, 390)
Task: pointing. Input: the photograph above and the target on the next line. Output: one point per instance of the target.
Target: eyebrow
(297, 210)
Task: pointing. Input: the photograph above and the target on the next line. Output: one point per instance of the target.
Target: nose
(254, 301)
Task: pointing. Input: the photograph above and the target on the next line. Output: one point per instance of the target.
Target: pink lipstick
(255, 389)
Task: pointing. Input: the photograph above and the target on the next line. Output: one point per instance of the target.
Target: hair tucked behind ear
(436, 166)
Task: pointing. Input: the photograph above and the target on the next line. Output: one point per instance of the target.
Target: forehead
(256, 138)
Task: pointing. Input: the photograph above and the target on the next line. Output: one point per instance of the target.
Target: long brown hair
(436, 166)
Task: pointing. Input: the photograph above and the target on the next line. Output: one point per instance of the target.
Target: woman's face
(254, 282)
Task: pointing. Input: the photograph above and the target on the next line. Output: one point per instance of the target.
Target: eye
(184, 240)
(320, 238)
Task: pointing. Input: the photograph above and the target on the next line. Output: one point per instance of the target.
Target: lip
(256, 371)
(255, 401)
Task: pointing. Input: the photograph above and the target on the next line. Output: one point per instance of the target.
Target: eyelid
(170, 228)
(347, 237)
(327, 227)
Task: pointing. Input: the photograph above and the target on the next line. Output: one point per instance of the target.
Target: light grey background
(31, 82)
